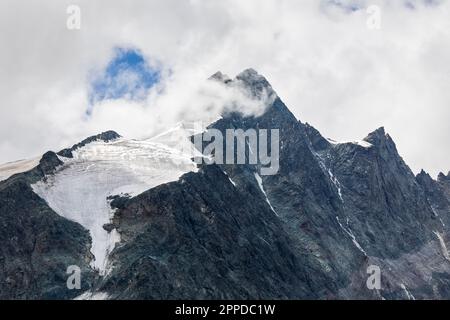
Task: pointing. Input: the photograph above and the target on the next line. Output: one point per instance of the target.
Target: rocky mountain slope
(224, 231)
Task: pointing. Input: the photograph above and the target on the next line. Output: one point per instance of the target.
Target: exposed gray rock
(202, 238)
(310, 231)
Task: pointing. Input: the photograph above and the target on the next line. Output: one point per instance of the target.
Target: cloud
(128, 75)
(328, 67)
(174, 100)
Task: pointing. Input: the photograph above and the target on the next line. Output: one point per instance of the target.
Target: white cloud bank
(328, 67)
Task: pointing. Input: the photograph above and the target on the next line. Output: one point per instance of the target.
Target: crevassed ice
(80, 187)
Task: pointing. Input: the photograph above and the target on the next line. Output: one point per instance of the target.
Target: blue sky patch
(128, 75)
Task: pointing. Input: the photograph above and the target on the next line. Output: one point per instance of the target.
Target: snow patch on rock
(259, 180)
(360, 143)
(332, 177)
(351, 235)
(88, 295)
(408, 294)
(443, 245)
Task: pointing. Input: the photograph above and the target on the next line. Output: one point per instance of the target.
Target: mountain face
(154, 225)
(37, 243)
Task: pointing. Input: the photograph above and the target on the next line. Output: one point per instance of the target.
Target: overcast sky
(328, 66)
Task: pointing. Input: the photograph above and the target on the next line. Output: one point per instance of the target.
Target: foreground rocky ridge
(37, 244)
(333, 210)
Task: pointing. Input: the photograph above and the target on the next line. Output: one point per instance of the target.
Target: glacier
(79, 188)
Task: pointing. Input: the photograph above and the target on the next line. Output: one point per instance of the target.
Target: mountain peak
(442, 177)
(378, 133)
(378, 137)
(252, 77)
(255, 83)
(219, 76)
(424, 176)
(49, 162)
(250, 73)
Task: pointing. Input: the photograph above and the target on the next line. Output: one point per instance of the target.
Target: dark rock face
(203, 238)
(350, 205)
(49, 162)
(118, 201)
(436, 195)
(390, 214)
(308, 232)
(379, 189)
(301, 192)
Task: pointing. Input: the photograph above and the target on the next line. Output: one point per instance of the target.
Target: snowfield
(79, 189)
